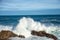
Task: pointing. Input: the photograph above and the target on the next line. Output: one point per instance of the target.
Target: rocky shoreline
(6, 34)
(44, 34)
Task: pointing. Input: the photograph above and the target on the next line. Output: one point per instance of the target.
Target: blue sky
(18, 5)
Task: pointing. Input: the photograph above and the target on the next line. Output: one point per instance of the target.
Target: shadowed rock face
(21, 36)
(43, 34)
(5, 35)
(4, 39)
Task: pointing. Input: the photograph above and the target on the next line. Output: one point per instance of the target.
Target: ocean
(24, 24)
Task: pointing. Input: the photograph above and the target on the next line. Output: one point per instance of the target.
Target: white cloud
(29, 5)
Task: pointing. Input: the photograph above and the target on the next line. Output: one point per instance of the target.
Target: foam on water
(2, 27)
(26, 25)
(31, 38)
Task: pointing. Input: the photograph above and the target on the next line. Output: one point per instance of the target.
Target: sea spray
(2, 27)
(31, 38)
(26, 25)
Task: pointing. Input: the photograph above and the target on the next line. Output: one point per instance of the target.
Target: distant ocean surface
(49, 23)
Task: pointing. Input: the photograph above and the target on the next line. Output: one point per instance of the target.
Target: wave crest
(26, 25)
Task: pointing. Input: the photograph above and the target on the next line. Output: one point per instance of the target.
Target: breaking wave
(2, 27)
(26, 25)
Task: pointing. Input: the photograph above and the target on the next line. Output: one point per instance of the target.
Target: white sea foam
(2, 27)
(30, 38)
(26, 25)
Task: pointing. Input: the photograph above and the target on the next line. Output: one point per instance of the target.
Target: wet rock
(51, 36)
(21, 36)
(4, 39)
(43, 34)
(5, 35)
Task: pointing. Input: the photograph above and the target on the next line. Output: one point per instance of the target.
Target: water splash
(2, 27)
(26, 25)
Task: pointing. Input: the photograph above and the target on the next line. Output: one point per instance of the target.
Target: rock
(51, 36)
(21, 36)
(40, 33)
(43, 34)
(4, 39)
(5, 35)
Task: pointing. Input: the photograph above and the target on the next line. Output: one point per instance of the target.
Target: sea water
(24, 24)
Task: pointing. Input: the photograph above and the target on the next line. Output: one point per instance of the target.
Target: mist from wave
(26, 25)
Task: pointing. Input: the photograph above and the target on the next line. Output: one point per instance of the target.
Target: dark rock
(51, 36)
(4, 39)
(5, 35)
(21, 36)
(43, 34)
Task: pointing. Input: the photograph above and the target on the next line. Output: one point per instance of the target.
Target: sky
(7, 6)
